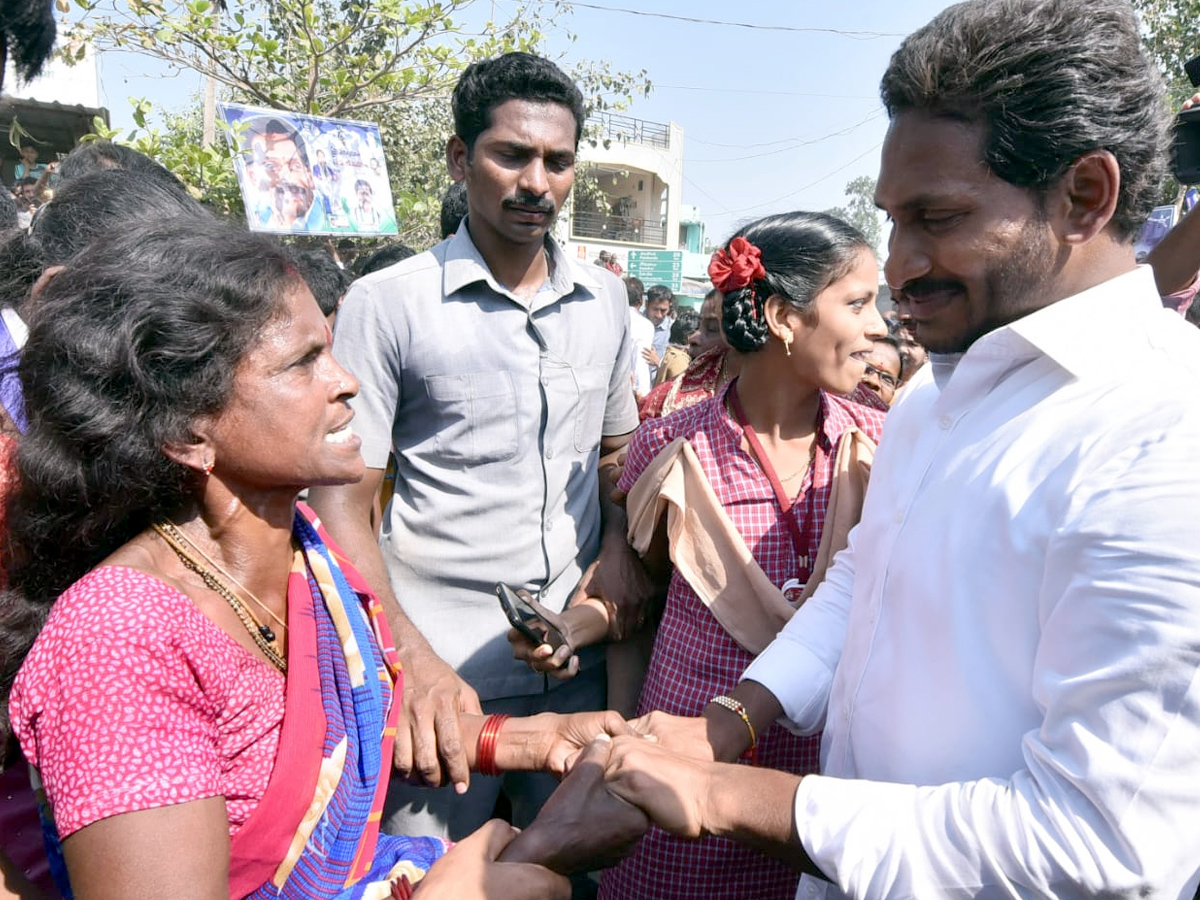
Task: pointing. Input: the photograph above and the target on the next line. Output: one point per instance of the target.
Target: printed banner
(309, 175)
(1158, 223)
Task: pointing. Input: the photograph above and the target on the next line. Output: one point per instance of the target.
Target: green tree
(861, 211)
(1172, 35)
(393, 62)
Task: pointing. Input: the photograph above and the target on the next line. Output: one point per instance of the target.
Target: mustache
(529, 201)
(919, 288)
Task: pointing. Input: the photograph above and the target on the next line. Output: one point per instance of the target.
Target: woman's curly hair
(139, 336)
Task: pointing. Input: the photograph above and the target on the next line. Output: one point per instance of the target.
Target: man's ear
(458, 158)
(1086, 196)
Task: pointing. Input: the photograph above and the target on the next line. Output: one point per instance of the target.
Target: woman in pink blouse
(207, 688)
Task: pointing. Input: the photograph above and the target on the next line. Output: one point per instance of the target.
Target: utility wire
(723, 90)
(875, 114)
(801, 190)
(857, 35)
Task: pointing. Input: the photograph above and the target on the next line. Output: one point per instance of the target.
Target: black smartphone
(522, 617)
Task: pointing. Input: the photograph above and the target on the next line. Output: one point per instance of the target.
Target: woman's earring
(787, 342)
(208, 466)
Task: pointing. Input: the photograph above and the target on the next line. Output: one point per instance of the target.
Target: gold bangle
(736, 706)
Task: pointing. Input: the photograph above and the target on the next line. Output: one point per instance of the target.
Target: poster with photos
(309, 175)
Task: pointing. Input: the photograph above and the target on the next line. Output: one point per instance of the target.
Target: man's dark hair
(101, 156)
(27, 33)
(1049, 80)
(82, 210)
(325, 278)
(363, 183)
(8, 210)
(454, 207)
(383, 257)
(686, 321)
(514, 76)
(657, 292)
(277, 129)
(635, 289)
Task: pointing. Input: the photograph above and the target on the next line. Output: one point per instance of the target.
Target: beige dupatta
(710, 553)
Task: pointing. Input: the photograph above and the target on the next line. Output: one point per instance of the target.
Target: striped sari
(315, 833)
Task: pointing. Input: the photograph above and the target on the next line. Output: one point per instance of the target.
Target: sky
(775, 117)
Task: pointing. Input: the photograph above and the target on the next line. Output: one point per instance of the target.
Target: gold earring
(787, 342)
(208, 467)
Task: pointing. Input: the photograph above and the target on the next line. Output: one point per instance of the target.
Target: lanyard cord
(800, 540)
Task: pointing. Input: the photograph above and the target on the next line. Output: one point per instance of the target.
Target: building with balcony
(633, 201)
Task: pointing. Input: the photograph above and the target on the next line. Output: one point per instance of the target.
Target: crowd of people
(810, 600)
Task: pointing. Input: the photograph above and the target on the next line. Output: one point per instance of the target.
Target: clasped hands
(653, 769)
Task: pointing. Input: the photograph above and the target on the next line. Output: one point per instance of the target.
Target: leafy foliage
(1172, 35)
(861, 211)
(393, 62)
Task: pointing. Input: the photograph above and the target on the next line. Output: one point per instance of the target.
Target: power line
(722, 90)
(825, 177)
(856, 35)
(724, 208)
(875, 114)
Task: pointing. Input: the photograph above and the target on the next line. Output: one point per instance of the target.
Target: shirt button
(945, 422)
(545, 379)
(549, 454)
(549, 526)
(812, 889)
(899, 517)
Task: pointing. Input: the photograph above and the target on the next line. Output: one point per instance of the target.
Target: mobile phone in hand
(524, 617)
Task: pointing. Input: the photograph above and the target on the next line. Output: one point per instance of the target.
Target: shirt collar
(465, 265)
(1083, 333)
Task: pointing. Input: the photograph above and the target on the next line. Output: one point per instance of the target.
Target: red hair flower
(735, 268)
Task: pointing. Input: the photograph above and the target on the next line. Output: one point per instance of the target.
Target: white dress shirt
(1006, 659)
(641, 330)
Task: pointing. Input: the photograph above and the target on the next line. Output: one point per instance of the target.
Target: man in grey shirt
(497, 372)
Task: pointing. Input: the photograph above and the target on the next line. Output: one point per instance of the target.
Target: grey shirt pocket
(476, 416)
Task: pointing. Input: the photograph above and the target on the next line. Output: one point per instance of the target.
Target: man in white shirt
(1006, 659)
(641, 333)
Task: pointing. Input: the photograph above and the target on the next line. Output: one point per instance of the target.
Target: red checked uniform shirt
(694, 658)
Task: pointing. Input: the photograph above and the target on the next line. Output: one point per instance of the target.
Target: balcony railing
(631, 131)
(617, 228)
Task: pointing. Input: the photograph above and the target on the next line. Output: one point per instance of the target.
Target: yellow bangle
(736, 706)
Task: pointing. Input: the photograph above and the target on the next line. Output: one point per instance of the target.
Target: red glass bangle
(485, 749)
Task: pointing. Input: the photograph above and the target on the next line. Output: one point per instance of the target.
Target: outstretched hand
(583, 826)
(470, 870)
(574, 732)
(669, 788)
(686, 736)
